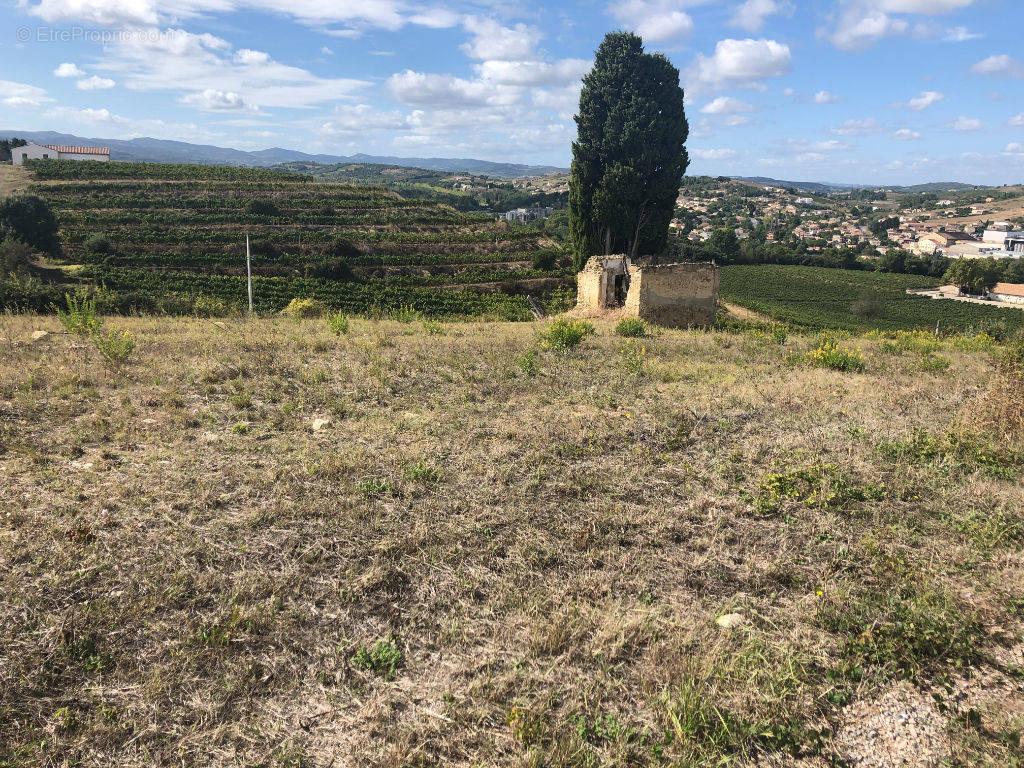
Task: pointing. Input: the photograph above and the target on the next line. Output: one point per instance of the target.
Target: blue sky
(863, 91)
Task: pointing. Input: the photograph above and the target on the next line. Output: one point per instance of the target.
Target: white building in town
(33, 151)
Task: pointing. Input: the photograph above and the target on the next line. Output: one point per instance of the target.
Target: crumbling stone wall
(673, 295)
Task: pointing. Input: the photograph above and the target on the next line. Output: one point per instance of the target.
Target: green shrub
(298, 309)
(263, 208)
(831, 355)
(406, 314)
(383, 658)
(564, 333)
(14, 255)
(527, 363)
(633, 327)
(28, 218)
(337, 322)
(633, 357)
(115, 346)
(209, 306)
(545, 259)
(433, 327)
(80, 317)
(98, 243)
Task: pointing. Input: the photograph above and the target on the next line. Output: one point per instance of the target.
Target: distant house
(932, 242)
(33, 151)
(1012, 293)
(528, 214)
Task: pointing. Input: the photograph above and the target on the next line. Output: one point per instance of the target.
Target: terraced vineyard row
(172, 238)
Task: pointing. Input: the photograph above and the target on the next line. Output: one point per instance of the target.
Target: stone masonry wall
(675, 295)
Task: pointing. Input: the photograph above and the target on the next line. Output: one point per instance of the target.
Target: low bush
(298, 309)
(97, 244)
(337, 322)
(115, 346)
(80, 317)
(565, 333)
(831, 355)
(632, 327)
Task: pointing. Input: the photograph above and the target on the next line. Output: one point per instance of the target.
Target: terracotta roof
(78, 150)
(1009, 289)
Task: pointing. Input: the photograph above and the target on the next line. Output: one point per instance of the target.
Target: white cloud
(905, 134)
(212, 100)
(734, 121)
(1002, 65)
(1017, 121)
(967, 124)
(194, 64)
(561, 72)
(447, 91)
(323, 15)
(95, 83)
(726, 105)
(858, 127)
(1014, 147)
(829, 145)
(87, 116)
(959, 35)
(861, 23)
(825, 97)
(923, 101)
(655, 21)
(742, 63)
(713, 154)
(21, 94)
(493, 42)
(752, 14)
(362, 117)
(325, 51)
(68, 69)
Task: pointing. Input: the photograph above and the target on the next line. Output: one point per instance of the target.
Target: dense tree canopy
(629, 156)
(28, 218)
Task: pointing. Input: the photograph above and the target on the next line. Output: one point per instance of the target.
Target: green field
(171, 238)
(815, 297)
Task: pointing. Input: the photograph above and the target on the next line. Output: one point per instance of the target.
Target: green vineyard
(857, 301)
(171, 238)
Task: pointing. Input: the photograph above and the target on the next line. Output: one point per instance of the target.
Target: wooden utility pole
(248, 269)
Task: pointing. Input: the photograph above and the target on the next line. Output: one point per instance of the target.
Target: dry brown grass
(190, 569)
(13, 178)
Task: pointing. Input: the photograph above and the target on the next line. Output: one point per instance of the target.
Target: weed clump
(633, 358)
(563, 334)
(831, 355)
(383, 658)
(632, 327)
(822, 486)
(1006, 397)
(80, 317)
(338, 323)
(115, 346)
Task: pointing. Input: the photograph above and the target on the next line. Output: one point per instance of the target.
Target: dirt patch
(13, 178)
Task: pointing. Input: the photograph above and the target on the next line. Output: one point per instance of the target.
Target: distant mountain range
(823, 187)
(163, 151)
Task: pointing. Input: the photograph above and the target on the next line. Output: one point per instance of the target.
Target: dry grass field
(258, 543)
(13, 178)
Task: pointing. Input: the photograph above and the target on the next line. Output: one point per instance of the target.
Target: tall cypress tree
(629, 156)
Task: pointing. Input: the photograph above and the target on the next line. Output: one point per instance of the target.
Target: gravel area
(901, 727)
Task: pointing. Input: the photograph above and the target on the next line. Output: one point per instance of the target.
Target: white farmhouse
(33, 151)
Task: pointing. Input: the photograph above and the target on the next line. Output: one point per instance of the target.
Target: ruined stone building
(673, 295)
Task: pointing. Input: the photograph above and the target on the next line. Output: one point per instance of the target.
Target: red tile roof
(78, 150)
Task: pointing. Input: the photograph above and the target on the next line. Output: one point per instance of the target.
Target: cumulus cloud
(857, 127)
(1014, 147)
(447, 91)
(560, 72)
(1001, 65)
(922, 101)
(861, 23)
(967, 124)
(713, 154)
(824, 97)
(742, 63)
(1017, 120)
(68, 69)
(213, 100)
(905, 134)
(959, 35)
(95, 83)
(752, 14)
(357, 118)
(494, 42)
(655, 21)
(87, 116)
(21, 94)
(199, 66)
(726, 105)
